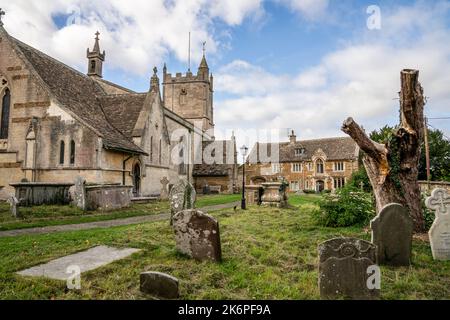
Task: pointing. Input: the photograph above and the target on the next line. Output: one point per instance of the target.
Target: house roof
(221, 169)
(333, 148)
(78, 94)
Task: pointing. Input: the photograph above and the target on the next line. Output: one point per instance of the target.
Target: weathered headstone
(346, 269)
(164, 191)
(14, 205)
(182, 197)
(392, 231)
(79, 193)
(197, 235)
(440, 230)
(160, 285)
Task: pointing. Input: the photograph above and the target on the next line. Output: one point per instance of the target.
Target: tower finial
(96, 58)
(2, 13)
(204, 48)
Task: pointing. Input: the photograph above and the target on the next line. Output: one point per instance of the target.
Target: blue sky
(278, 64)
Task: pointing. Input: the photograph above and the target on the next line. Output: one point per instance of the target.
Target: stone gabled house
(220, 172)
(58, 124)
(313, 165)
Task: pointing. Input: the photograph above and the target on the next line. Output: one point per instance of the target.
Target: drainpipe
(124, 168)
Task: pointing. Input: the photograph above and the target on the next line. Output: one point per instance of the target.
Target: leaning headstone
(182, 197)
(440, 230)
(79, 193)
(160, 285)
(14, 205)
(164, 191)
(392, 231)
(197, 235)
(346, 266)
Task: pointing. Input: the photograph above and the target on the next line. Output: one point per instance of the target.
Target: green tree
(439, 157)
(439, 153)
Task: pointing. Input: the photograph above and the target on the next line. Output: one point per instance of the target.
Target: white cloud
(137, 34)
(311, 9)
(361, 80)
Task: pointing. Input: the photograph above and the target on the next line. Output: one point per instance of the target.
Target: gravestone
(164, 191)
(79, 193)
(86, 261)
(345, 269)
(440, 230)
(14, 206)
(392, 231)
(160, 285)
(197, 235)
(182, 197)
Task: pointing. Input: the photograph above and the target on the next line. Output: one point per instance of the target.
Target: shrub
(348, 207)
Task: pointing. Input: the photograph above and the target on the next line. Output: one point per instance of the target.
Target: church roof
(79, 94)
(334, 149)
(123, 110)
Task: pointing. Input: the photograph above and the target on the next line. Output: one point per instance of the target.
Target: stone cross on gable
(439, 201)
(2, 13)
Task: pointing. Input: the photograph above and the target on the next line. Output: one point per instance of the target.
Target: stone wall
(428, 187)
(225, 183)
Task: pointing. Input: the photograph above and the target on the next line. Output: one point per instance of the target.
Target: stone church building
(307, 165)
(58, 124)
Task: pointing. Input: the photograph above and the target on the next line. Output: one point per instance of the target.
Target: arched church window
(160, 151)
(151, 149)
(62, 150)
(4, 124)
(320, 166)
(72, 152)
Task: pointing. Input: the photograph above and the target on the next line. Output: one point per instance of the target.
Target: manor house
(307, 165)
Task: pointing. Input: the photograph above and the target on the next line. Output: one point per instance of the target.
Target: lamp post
(244, 151)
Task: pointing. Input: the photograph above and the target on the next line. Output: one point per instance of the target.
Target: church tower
(96, 59)
(191, 96)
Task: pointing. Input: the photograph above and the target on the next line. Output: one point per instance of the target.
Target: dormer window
(299, 152)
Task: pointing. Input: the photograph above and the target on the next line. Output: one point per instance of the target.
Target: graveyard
(126, 180)
(267, 253)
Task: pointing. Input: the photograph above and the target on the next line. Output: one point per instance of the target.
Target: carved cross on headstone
(440, 230)
(2, 13)
(164, 191)
(439, 201)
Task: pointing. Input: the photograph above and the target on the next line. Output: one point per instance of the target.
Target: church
(58, 124)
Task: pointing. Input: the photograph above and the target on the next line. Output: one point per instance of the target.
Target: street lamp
(244, 151)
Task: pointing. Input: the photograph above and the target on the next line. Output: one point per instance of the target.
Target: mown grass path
(104, 224)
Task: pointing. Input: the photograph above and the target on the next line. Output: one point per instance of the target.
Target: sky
(279, 65)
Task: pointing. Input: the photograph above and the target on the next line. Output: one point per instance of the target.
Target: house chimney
(293, 137)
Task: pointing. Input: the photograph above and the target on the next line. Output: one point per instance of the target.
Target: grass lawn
(212, 200)
(42, 216)
(267, 254)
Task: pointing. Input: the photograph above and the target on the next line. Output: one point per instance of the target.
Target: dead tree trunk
(393, 167)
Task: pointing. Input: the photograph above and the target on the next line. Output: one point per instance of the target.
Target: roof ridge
(55, 60)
